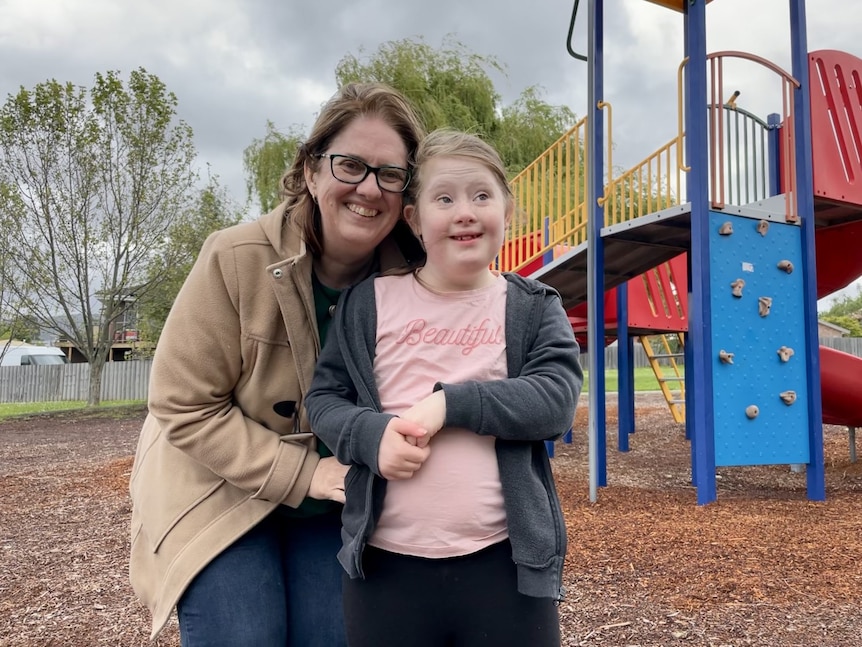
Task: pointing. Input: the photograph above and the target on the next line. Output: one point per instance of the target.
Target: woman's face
(357, 217)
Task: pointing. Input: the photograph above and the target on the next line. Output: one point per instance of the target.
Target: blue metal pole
(815, 474)
(625, 371)
(595, 252)
(699, 374)
(773, 149)
(548, 256)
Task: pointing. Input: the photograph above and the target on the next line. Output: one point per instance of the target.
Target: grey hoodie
(535, 404)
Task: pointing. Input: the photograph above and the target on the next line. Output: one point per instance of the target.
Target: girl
(453, 533)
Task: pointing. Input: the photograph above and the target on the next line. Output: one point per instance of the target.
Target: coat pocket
(166, 485)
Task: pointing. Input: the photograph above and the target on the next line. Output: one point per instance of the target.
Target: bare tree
(96, 179)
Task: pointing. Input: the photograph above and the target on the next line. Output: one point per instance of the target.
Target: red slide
(841, 387)
(839, 263)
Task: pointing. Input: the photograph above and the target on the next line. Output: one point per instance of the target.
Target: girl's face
(461, 213)
(357, 217)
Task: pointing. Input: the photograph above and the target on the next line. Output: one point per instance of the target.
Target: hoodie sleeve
(537, 404)
(342, 406)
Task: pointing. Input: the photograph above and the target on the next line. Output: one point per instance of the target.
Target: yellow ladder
(675, 378)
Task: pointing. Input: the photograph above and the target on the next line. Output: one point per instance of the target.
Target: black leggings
(455, 602)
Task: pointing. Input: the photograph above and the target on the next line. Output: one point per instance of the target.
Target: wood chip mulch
(647, 566)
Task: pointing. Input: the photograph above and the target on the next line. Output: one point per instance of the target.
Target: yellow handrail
(550, 197)
(610, 185)
(679, 117)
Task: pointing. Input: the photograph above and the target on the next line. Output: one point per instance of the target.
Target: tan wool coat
(226, 439)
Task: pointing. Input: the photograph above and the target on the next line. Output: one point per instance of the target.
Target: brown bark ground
(646, 567)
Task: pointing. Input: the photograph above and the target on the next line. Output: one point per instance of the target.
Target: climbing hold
(763, 305)
(736, 287)
(788, 397)
(785, 353)
(726, 229)
(762, 227)
(752, 411)
(787, 266)
(725, 357)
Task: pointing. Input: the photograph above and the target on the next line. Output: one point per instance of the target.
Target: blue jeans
(277, 586)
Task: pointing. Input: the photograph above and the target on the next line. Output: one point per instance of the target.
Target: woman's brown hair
(352, 101)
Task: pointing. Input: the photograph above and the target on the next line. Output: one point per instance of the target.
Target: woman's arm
(197, 368)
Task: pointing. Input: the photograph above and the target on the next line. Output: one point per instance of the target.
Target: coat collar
(282, 233)
(398, 248)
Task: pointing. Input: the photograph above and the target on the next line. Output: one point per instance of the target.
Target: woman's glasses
(351, 170)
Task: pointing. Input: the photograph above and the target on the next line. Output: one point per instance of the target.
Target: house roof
(833, 326)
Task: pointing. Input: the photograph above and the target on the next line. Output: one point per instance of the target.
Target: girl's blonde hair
(446, 142)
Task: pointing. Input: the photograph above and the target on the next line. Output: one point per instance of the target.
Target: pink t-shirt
(453, 505)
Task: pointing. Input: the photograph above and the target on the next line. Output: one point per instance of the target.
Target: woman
(236, 514)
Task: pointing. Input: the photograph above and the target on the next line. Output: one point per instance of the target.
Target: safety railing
(722, 172)
(549, 199)
(550, 194)
(653, 184)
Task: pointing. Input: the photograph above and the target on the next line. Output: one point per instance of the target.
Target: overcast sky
(234, 64)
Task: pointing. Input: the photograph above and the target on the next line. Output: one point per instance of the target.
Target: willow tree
(265, 160)
(450, 86)
(528, 127)
(99, 176)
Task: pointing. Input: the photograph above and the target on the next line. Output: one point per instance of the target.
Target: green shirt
(325, 299)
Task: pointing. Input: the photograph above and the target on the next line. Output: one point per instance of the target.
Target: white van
(20, 354)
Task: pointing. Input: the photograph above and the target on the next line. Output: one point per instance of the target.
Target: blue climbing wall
(779, 432)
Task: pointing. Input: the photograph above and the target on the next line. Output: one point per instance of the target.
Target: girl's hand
(430, 413)
(398, 457)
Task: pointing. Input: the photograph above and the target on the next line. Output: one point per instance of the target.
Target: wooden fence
(129, 380)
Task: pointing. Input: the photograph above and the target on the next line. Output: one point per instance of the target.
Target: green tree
(9, 317)
(98, 178)
(17, 328)
(212, 210)
(852, 324)
(847, 306)
(265, 161)
(528, 127)
(450, 86)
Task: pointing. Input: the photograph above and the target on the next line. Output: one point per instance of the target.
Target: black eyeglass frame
(368, 169)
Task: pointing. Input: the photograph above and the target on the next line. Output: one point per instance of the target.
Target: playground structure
(716, 236)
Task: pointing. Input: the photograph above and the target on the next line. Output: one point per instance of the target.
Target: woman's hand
(327, 482)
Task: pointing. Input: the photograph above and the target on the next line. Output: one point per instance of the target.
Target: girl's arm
(357, 434)
(538, 404)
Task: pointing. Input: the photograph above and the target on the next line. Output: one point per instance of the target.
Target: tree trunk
(94, 397)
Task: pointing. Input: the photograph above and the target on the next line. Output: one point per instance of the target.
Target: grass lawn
(645, 380)
(11, 409)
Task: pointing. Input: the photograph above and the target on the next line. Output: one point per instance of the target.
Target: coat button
(278, 272)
